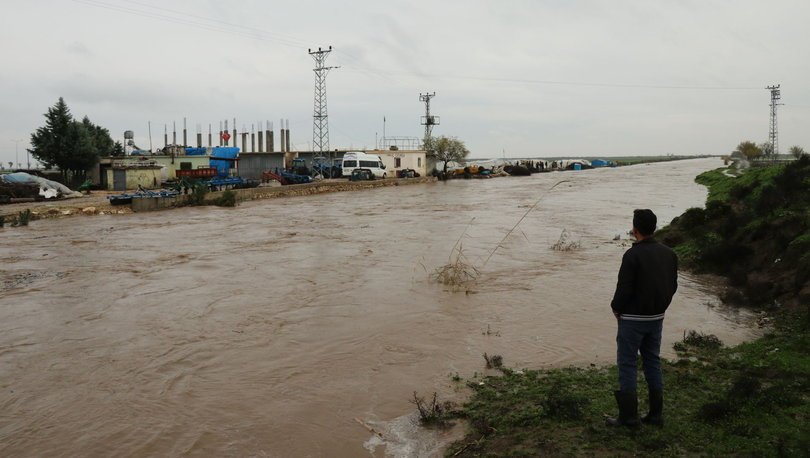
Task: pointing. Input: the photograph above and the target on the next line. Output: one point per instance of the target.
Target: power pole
(428, 120)
(320, 118)
(773, 133)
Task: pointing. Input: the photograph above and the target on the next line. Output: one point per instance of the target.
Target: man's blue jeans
(634, 337)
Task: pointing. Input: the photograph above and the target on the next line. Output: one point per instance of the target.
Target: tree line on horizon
(752, 151)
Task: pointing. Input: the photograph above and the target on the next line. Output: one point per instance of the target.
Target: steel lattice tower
(320, 118)
(773, 133)
(427, 120)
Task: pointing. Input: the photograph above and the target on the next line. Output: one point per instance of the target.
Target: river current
(291, 327)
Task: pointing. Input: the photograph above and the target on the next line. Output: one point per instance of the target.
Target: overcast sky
(515, 78)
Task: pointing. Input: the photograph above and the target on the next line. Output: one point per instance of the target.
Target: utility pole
(320, 117)
(428, 120)
(773, 133)
(17, 154)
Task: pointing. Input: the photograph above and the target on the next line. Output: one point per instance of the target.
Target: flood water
(268, 329)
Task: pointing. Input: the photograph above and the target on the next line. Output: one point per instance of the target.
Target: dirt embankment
(96, 203)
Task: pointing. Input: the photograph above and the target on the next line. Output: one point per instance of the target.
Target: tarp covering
(220, 159)
(197, 151)
(44, 184)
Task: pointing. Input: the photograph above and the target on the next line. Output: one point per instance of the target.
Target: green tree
(101, 138)
(70, 145)
(767, 150)
(118, 149)
(748, 150)
(797, 151)
(446, 149)
(49, 143)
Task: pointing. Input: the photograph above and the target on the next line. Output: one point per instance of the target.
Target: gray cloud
(533, 78)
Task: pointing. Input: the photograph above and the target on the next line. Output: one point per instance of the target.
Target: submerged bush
(494, 361)
(227, 199)
(433, 412)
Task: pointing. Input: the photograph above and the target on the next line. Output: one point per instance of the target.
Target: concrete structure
(122, 175)
(394, 160)
(146, 204)
(251, 165)
(167, 165)
(402, 159)
(174, 163)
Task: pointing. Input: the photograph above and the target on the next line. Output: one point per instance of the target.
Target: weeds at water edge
(433, 412)
(695, 340)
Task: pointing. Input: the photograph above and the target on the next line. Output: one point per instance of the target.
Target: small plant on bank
(698, 341)
(433, 412)
(494, 361)
(562, 403)
(227, 199)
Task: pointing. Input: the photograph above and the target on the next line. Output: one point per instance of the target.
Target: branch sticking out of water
(494, 361)
(458, 273)
(434, 412)
(565, 243)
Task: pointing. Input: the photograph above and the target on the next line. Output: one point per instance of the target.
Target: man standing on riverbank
(648, 278)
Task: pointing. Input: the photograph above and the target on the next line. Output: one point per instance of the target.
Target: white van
(360, 160)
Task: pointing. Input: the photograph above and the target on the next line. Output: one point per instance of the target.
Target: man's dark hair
(644, 220)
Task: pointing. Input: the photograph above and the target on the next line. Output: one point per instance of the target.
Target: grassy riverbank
(749, 400)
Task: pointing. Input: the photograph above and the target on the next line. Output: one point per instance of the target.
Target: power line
(577, 83)
(283, 37)
(262, 35)
(175, 20)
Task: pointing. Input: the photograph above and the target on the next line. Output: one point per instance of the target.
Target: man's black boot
(656, 415)
(628, 410)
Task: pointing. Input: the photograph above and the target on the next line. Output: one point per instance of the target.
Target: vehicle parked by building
(358, 160)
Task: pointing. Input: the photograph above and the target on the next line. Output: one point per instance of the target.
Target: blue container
(223, 158)
(577, 166)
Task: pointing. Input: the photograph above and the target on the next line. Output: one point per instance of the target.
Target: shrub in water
(494, 361)
(227, 199)
(433, 412)
(198, 193)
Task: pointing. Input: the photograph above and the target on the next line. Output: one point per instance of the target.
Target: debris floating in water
(565, 242)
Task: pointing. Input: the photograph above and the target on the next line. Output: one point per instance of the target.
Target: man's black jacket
(648, 278)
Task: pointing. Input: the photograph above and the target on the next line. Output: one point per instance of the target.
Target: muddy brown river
(276, 328)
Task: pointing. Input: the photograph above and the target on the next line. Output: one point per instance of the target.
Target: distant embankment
(317, 188)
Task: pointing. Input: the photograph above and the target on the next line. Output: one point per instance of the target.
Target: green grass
(749, 400)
